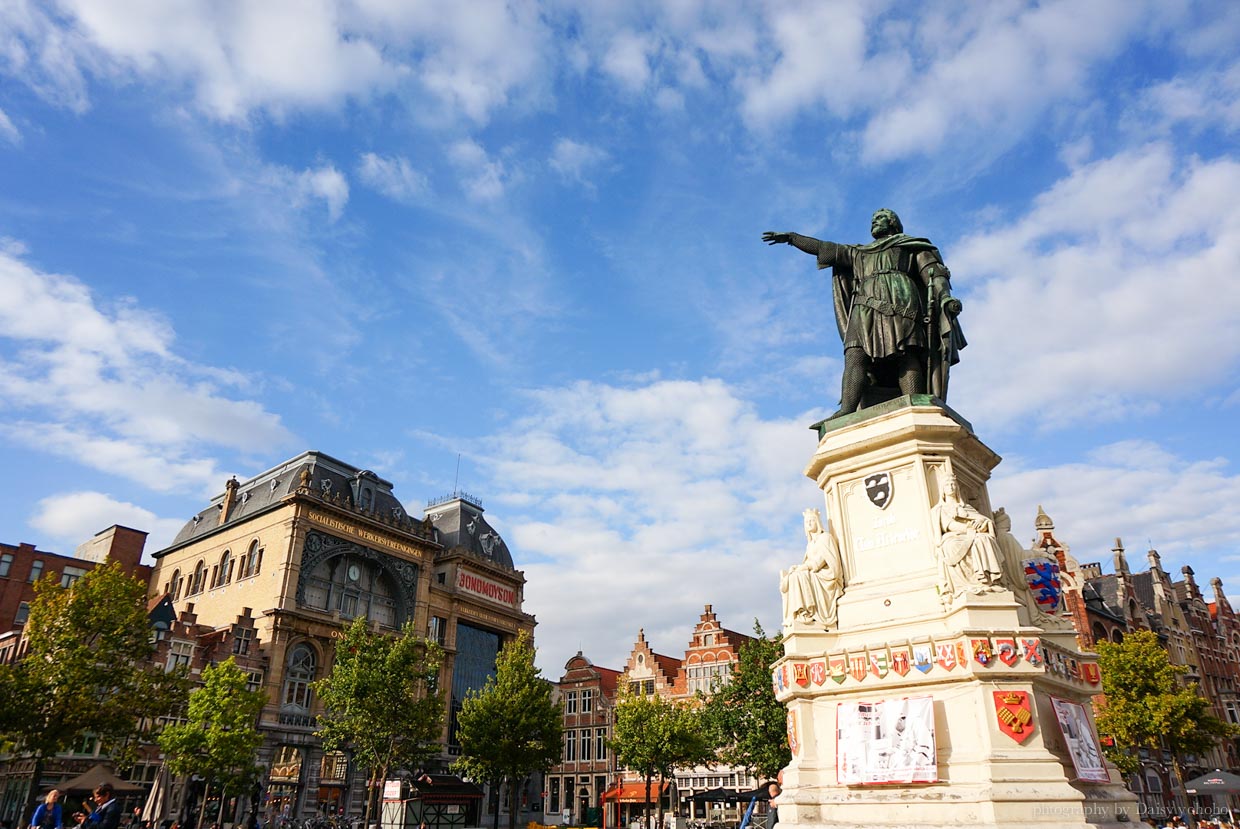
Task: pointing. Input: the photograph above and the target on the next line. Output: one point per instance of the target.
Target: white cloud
(282, 55)
(392, 176)
(575, 160)
(325, 183)
(1138, 491)
(103, 386)
(613, 493)
(8, 131)
(1198, 101)
(1112, 294)
(75, 517)
(483, 177)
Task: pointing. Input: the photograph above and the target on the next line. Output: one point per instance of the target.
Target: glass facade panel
(476, 651)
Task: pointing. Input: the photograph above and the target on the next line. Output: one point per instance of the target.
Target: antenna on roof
(457, 479)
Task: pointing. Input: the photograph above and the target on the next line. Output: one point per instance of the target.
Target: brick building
(587, 780)
(22, 565)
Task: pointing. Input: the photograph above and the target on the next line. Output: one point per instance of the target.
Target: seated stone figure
(812, 588)
(969, 560)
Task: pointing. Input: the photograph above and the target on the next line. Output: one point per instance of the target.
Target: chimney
(230, 498)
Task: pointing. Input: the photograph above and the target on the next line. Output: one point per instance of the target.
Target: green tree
(382, 700)
(87, 671)
(747, 724)
(219, 738)
(654, 736)
(512, 727)
(1147, 707)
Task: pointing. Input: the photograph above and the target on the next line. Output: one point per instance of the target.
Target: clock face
(355, 572)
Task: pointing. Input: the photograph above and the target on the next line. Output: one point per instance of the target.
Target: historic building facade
(277, 565)
(588, 780)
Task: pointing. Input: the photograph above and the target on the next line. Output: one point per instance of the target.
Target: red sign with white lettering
(478, 586)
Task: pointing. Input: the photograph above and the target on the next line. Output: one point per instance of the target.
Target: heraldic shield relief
(1014, 713)
(1042, 576)
(878, 489)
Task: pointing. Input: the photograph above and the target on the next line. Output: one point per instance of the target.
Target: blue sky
(528, 233)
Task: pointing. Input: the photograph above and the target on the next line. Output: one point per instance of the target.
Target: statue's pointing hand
(773, 238)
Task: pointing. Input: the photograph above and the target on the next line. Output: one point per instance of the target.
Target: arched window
(175, 585)
(352, 586)
(1100, 632)
(226, 568)
(200, 577)
(298, 676)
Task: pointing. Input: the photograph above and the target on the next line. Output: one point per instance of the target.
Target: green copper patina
(894, 311)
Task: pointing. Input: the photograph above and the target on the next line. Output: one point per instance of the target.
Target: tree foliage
(512, 727)
(1147, 707)
(382, 700)
(745, 721)
(87, 670)
(654, 736)
(218, 739)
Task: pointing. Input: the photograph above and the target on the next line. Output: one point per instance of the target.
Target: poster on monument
(1082, 743)
(886, 742)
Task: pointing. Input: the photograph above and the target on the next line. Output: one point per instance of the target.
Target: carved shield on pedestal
(1042, 576)
(1014, 714)
(878, 489)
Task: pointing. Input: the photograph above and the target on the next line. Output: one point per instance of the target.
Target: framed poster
(1081, 740)
(891, 741)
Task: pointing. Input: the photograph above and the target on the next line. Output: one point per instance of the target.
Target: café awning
(634, 792)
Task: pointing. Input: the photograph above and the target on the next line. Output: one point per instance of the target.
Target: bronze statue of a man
(894, 310)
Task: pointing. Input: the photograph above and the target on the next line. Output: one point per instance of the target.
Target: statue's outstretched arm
(807, 244)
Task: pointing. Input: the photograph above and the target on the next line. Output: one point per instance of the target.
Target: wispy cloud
(393, 176)
(74, 517)
(100, 383)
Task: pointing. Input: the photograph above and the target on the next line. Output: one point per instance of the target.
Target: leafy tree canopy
(219, 738)
(87, 669)
(654, 736)
(1146, 705)
(746, 722)
(382, 699)
(512, 727)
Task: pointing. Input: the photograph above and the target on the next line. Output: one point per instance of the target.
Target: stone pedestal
(994, 765)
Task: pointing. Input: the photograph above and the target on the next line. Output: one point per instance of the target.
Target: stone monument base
(933, 702)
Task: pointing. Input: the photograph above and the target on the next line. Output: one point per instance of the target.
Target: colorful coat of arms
(878, 663)
(983, 654)
(858, 665)
(777, 679)
(923, 657)
(1031, 651)
(1090, 673)
(1042, 576)
(1014, 713)
(1005, 649)
(900, 661)
(818, 672)
(947, 655)
(800, 674)
(794, 741)
(838, 665)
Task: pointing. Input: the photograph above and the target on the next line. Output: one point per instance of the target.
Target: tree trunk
(512, 802)
(646, 805)
(661, 780)
(498, 785)
(202, 806)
